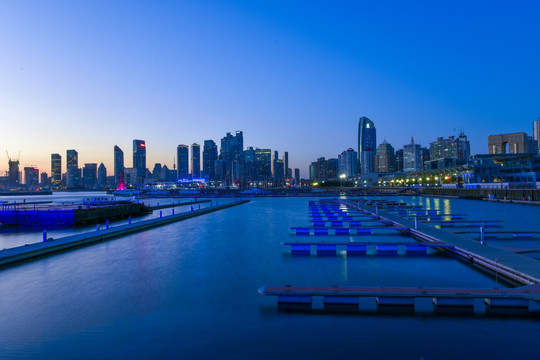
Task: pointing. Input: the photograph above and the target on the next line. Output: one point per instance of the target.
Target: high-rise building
(367, 144)
(182, 154)
(195, 161)
(56, 171)
(89, 175)
(73, 171)
(385, 158)
(398, 164)
(450, 148)
(323, 169)
(139, 160)
(263, 165)
(297, 176)
(156, 173)
(278, 170)
(13, 174)
(44, 179)
(348, 163)
(249, 165)
(286, 165)
(210, 155)
(31, 176)
(412, 157)
(232, 148)
(102, 175)
(536, 134)
(119, 167)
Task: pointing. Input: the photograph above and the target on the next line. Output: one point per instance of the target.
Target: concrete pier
(51, 246)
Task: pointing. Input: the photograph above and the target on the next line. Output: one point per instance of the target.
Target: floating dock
(51, 246)
(514, 268)
(476, 300)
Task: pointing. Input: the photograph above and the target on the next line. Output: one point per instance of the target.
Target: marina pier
(50, 246)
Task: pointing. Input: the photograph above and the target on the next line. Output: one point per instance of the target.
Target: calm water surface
(189, 290)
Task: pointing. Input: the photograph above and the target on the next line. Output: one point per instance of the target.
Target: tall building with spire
(367, 145)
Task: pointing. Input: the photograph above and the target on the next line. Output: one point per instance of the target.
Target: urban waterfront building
(536, 134)
(89, 175)
(232, 149)
(210, 155)
(182, 157)
(156, 173)
(13, 173)
(277, 170)
(195, 161)
(348, 163)
(263, 165)
(385, 158)
(130, 177)
(31, 176)
(515, 143)
(286, 175)
(119, 178)
(44, 179)
(367, 144)
(323, 170)
(398, 164)
(412, 157)
(56, 171)
(139, 160)
(249, 165)
(102, 175)
(297, 176)
(73, 172)
(445, 153)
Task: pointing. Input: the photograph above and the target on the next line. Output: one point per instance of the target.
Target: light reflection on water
(189, 290)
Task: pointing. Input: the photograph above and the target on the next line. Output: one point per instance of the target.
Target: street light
(342, 176)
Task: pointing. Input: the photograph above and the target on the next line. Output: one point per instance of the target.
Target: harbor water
(189, 290)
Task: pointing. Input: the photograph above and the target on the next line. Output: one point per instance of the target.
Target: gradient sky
(292, 75)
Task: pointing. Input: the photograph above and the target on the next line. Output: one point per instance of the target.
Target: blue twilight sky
(292, 75)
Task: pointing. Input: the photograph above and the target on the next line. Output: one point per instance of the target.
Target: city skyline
(288, 75)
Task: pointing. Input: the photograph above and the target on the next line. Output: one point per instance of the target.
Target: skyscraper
(119, 177)
(73, 171)
(56, 170)
(139, 160)
(182, 154)
(232, 149)
(263, 165)
(385, 158)
(102, 175)
(195, 161)
(210, 155)
(536, 134)
(367, 144)
(89, 175)
(348, 163)
(278, 168)
(31, 176)
(286, 165)
(412, 157)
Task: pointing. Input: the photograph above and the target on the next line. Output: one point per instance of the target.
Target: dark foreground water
(189, 290)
